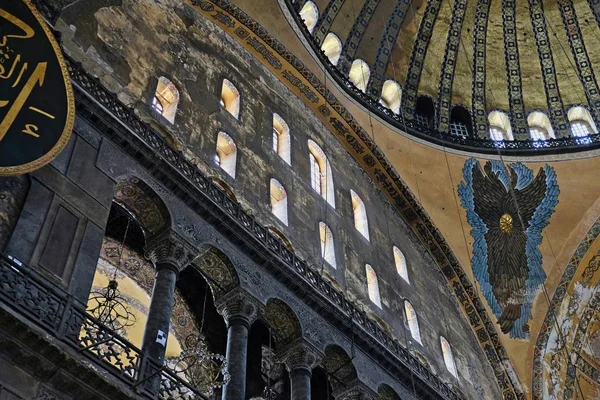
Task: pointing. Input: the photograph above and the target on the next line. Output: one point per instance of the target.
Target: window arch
(327, 246)
(281, 139)
(226, 156)
(539, 126)
(230, 98)
(321, 177)
(361, 222)
(448, 356)
(582, 123)
(500, 128)
(360, 74)
(424, 111)
(413, 323)
(391, 95)
(332, 47)
(400, 261)
(279, 203)
(373, 285)
(166, 99)
(310, 15)
(460, 122)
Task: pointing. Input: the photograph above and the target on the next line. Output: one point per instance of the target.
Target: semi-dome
(469, 73)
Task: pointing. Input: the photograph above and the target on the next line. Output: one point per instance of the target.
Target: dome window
(166, 99)
(332, 47)
(582, 124)
(310, 15)
(281, 139)
(460, 122)
(391, 95)
(424, 111)
(226, 157)
(500, 128)
(230, 98)
(279, 203)
(540, 128)
(360, 74)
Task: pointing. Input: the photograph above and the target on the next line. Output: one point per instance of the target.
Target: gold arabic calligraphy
(36, 79)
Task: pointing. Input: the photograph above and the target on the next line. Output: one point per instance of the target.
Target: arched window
(281, 139)
(279, 204)
(540, 128)
(448, 357)
(226, 153)
(166, 99)
(359, 74)
(332, 47)
(582, 124)
(310, 15)
(230, 98)
(460, 122)
(424, 111)
(373, 285)
(413, 323)
(360, 215)
(321, 178)
(500, 128)
(391, 95)
(400, 262)
(327, 247)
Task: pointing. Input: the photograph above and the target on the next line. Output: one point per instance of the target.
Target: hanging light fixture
(196, 364)
(107, 304)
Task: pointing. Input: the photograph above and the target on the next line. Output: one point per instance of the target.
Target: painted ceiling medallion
(507, 208)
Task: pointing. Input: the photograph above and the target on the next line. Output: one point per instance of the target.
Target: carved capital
(300, 355)
(238, 305)
(168, 248)
(355, 390)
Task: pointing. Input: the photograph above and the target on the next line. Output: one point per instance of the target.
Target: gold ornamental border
(293, 73)
(66, 133)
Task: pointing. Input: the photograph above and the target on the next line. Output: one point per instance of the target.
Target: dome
(469, 59)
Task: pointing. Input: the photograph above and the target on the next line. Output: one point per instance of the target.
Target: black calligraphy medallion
(36, 98)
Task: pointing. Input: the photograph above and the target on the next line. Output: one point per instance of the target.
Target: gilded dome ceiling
(511, 65)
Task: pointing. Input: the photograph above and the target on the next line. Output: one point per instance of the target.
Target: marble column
(355, 390)
(239, 310)
(300, 357)
(170, 254)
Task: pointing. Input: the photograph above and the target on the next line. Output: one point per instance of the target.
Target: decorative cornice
(170, 249)
(356, 33)
(480, 116)
(384, 54)
(556, 108)
(417, 59)
(449, 65)
(518, 118)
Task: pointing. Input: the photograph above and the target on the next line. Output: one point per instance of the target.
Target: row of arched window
(540, 129)
(165, 103)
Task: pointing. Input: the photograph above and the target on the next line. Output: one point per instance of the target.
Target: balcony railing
(29, 295)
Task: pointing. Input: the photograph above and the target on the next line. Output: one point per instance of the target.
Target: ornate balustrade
(41, 303)
(93, 102)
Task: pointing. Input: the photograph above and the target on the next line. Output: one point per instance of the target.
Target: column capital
(300, 355)
(238, 305)
(170, 248)
(355, 390)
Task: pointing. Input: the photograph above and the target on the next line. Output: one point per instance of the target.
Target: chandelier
(107, 304)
